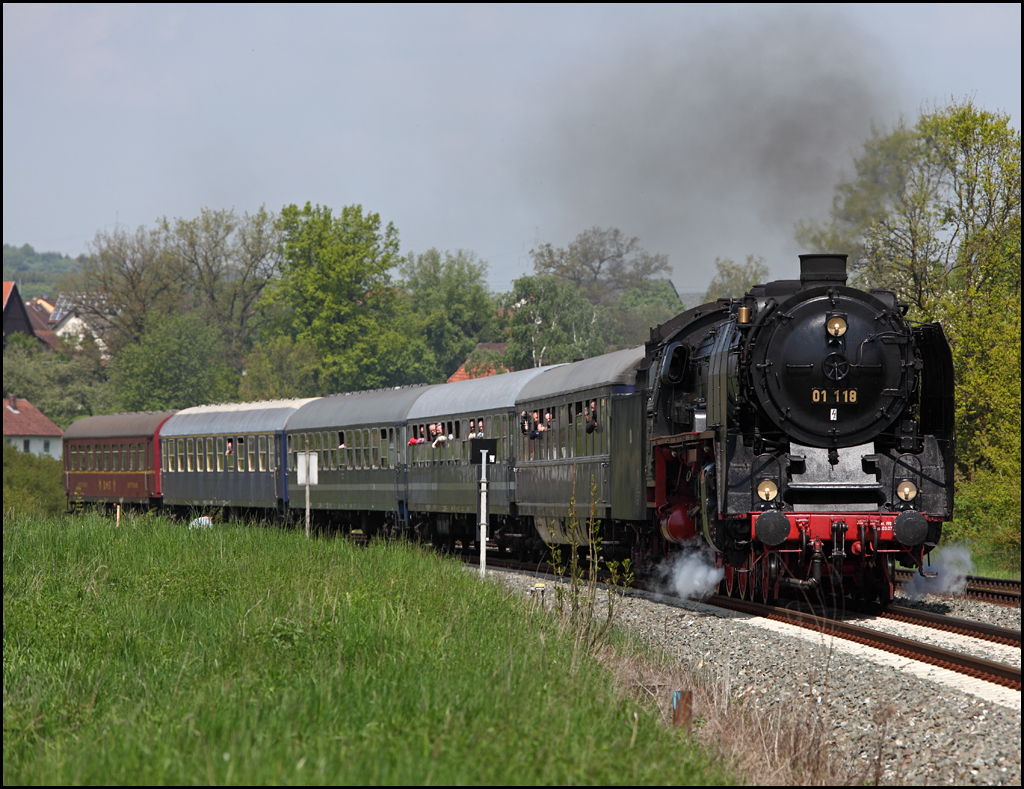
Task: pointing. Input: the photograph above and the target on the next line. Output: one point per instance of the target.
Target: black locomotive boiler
(805, 432)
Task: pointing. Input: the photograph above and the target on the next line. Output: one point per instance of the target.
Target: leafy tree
(449, 296)
(229, 260)
(126, 280)
(880, 173)
(280, 368)
(335, 290)
(601, 262)
(733, 279)
(37, 273)
(178, 363)
(551, 322)
(638, 309)
(32, 484)
(65, 385)
(927, 204)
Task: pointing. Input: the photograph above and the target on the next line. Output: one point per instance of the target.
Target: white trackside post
(483, 513)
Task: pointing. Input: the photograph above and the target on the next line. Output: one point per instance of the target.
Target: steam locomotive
(803, 432)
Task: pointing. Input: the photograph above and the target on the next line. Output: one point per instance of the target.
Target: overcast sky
(706, 131)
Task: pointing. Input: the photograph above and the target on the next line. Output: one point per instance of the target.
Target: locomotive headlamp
(906, 490)
(767, 490)
(836, 326)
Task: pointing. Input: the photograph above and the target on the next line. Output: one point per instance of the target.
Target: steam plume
(691, 573)
(953, 564)
(717, 145)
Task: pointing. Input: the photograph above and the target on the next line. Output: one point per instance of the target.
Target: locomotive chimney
(822, 270)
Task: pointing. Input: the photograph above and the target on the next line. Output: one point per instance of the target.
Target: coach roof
(232, 418)
(377, 407)
(142, 423)
(474, 395)
(612, 369)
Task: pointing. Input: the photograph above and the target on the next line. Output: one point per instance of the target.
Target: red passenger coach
(114, 459)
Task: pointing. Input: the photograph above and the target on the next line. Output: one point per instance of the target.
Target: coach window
(357, 449)
(251, 443)
(165, 463)
(124, 457)
(219, 452)
(366, 449)
(239, 453)
(190, 454)
(210, 462)
(272, 452)
(200, 455)
(263, 453)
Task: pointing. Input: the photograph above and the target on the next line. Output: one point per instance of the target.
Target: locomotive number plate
(834, 396)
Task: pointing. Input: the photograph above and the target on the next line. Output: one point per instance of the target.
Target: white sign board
(307, 465)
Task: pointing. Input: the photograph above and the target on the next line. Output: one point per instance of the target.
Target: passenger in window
(537, 426)
(591, 416)
(472, 428)
(437, 432)
(341, 440)
(231, 448)
(524, 423)
(480, 427)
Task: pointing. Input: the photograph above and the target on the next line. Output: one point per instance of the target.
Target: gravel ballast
(920, 731)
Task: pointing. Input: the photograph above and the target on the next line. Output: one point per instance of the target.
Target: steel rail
(979, 668)
(951, 624)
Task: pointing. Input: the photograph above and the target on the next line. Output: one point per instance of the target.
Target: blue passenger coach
(228, 455)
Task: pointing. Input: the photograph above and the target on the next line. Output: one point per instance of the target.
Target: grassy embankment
(155, 654)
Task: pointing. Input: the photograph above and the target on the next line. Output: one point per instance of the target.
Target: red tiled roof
(24, 419)
(463, 375)
(8, 289)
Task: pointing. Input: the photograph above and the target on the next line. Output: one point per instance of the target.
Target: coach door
(399, 458)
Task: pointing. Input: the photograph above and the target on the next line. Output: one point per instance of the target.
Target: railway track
(988, 590)
(950, 624)
(979, 668)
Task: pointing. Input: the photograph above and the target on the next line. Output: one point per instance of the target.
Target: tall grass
(155, 654)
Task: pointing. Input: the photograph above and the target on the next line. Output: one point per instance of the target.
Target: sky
(705, 131)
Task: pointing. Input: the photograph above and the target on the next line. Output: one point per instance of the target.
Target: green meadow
(153, 654)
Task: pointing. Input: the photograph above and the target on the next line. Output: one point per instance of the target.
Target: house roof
(38, 312)
(21, 418)
(8, 290)
(463, 375)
